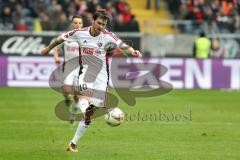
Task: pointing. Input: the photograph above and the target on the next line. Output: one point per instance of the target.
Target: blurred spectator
(65, 5)
(92, 6)
(87, 19)
(81, 6)
(133, 25)
(21, 26)
(122, 6)
(113, 15)
(6, 18)
(126, 15)
(224, 14)
(104, 2)
(174, 7)
(208, 15)
(62, 24)
(37, 26)
(119, 24)
(218, 50)
(202, 46)
(47, 24)
(12, 4)
(53, 15)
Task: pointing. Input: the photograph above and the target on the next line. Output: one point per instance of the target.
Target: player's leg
(87, 111)
(69, 90)
(81, 129)
(93, 96)
(74, 109)
(85, 122)
(66, 89)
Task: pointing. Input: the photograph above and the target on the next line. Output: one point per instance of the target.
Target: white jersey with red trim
(69, 49)
(93, 49)
(95, 46)
(93, 60)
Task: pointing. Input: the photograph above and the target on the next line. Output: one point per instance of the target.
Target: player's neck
(92, 32)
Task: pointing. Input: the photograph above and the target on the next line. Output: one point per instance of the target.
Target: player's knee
(66, 90)
(90, 109)
(98, 102)
(89, 112)
(75, 98)
(83, 105)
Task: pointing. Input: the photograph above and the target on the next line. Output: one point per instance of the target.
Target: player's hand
(58, 61)
(45, 51)
(136, 53)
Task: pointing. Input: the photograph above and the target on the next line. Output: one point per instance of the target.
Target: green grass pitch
(206, 126)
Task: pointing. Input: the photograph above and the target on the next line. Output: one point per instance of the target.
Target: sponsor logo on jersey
(72, 48)
(88, 51)
(91, 51)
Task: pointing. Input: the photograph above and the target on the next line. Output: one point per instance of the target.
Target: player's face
(77, 23)
(99, 24)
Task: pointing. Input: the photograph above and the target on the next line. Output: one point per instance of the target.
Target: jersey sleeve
(71, 36)
(112, 38)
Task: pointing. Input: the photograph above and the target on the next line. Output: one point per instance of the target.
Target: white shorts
(96, 91)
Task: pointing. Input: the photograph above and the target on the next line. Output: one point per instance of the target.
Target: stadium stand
(150, 17)
(48, 15)
(213, 16)
(168, 17)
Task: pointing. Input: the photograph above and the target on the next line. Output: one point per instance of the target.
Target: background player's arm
(57, 51)
(56, 56)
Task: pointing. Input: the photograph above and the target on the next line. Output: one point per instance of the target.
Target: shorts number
(82, 87)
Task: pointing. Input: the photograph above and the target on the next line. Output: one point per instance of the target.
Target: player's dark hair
(76, 16)
(102, 14)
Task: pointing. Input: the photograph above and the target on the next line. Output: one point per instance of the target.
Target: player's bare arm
(127, 50)
(56, 56)
(56, 42)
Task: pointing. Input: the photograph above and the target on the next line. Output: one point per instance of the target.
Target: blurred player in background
(93, 41)
(69, 50)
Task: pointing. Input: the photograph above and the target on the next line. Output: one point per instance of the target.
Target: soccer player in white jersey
(92, 41)
(69, 50)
